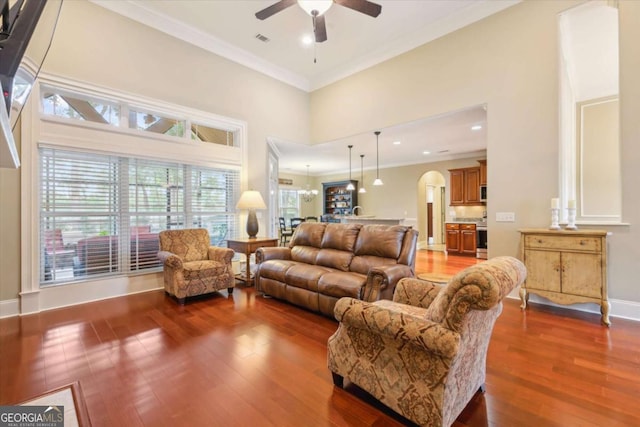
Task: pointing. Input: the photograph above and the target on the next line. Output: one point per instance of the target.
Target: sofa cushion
(305, 254)
(380, 240)
(308, 234)
(305, 276)
(333, 258)
(340, 284)
(340, 236)
(362, 264)
(275, 269)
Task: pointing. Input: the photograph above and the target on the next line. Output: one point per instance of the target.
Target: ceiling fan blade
(319, 29)
(363, 6)
(274, 8)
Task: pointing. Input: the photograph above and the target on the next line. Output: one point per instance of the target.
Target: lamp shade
(251, 199)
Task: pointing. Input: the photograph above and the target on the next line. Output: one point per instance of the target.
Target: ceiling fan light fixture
(319, 5)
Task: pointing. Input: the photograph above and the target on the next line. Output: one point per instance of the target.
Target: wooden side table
(248, 246)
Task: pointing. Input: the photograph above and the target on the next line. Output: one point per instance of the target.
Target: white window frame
(79, 135)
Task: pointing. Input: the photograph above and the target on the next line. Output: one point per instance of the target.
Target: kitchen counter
(368, 219)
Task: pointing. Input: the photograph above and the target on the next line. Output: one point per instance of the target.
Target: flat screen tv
(27, 30)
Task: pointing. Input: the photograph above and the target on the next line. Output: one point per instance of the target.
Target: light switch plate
(505, 216)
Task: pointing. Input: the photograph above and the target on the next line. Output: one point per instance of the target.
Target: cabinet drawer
(452, 226)
(468, 227)
(570, 243)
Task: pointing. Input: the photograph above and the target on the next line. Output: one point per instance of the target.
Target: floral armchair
(192, 266)
(424, 353)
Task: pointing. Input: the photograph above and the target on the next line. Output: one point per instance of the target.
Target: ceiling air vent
(262, 38)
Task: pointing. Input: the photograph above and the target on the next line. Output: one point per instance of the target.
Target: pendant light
(350, 186)
(377, 181)
(308, 194)
(362, 189)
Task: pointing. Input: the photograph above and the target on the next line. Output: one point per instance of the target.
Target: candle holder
(555, 214)
(571, 219)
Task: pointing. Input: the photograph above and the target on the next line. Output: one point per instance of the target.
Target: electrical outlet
(505, 216)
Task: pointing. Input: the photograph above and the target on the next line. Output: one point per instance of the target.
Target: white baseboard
(9, 308)
(619, 308)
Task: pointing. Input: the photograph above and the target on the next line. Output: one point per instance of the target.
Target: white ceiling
(355, 42)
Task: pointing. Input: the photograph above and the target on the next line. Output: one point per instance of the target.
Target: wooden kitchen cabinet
(464, 186)
(461, 239)
(566, 267)
(483, 172)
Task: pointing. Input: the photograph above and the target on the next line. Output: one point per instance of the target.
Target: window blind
(101, 214)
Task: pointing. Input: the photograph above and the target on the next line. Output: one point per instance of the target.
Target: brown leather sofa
(327, 261)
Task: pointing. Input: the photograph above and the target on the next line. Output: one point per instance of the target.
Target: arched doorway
(431, 211)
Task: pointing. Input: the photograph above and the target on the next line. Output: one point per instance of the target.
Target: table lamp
(251, 200)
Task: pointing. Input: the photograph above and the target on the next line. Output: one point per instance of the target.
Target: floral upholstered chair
(424, 353)
(192, 266)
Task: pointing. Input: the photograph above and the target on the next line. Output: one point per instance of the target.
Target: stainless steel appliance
(481, 240)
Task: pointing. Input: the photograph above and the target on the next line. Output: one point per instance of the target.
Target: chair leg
(338, 380)
(482, 388)
(181, 300)
(230, 290)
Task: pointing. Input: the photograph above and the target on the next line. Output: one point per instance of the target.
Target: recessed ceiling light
(476, 127)
(397, 142)
(426, 152)
(307, 40)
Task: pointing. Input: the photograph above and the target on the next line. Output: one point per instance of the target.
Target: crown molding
(137, 11)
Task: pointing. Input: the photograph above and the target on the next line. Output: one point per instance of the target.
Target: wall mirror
(589, 111)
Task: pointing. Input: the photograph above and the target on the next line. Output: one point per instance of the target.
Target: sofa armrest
(224, 255)
(382, 280)
(396, 325)
(170, 259)
(277, 252)
(416, 292)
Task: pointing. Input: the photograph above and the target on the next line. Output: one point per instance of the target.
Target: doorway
(431, 211)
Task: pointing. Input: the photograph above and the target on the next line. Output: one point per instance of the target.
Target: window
(101, 214)
(88, 108)
(289, 204)
(77, 107)
(149, 122)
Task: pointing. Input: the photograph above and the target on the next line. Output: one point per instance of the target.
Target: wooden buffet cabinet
(461, 238)
(566, 267)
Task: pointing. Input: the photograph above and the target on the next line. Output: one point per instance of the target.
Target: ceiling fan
(317, 8)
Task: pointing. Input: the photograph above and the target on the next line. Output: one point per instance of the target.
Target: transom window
(69, 105)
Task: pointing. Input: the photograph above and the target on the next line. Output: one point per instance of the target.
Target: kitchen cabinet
(461, 239)
(465, 186)
(566, 267)
(483, 172)
(337, 200)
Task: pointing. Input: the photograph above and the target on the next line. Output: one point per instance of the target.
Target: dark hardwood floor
(243, 360)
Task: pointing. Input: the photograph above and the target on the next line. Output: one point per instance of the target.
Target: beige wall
(510, 62)
(94, 45)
